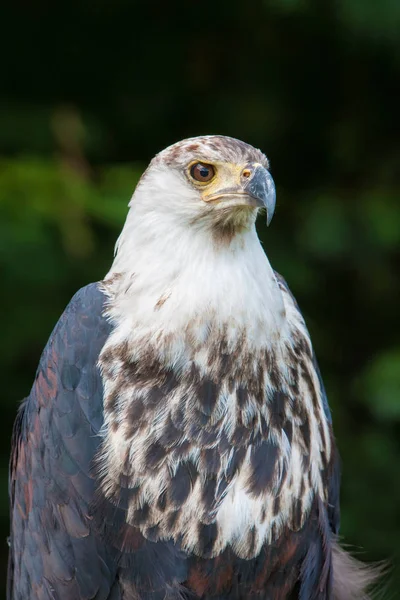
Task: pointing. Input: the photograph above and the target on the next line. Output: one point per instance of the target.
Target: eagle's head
(192, 222)
(213, 183)
(215, 179)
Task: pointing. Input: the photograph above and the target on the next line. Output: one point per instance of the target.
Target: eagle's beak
(253, 186)
(261, 188)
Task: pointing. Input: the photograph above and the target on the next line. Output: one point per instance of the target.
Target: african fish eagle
(177, 441)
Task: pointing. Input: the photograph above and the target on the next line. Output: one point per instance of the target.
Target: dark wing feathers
(53, 552)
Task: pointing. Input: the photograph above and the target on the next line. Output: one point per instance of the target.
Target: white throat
(166, 276)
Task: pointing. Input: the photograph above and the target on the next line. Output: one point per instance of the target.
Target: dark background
(90, 91)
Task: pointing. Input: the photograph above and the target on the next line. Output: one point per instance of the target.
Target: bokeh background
(90, 91)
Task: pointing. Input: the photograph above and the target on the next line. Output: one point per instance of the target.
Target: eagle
(177, 442)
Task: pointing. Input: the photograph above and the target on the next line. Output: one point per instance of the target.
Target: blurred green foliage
(91, 91)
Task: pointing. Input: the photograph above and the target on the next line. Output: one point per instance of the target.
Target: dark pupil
(204, 172)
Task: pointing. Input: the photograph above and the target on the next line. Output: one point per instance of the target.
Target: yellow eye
(202, 172)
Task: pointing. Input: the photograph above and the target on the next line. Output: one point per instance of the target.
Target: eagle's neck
(167, 280)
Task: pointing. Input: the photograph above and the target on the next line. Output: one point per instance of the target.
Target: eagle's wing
(53, 552)
(325, 559)
(333, 508)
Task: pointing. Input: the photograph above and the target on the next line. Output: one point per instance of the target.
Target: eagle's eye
(202, 172)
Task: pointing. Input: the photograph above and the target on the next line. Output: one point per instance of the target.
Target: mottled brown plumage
(177, 442)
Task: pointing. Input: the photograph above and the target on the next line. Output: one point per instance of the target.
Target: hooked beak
(256, 189)
(261, 188)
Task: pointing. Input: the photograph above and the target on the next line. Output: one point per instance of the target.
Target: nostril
(246, 173)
